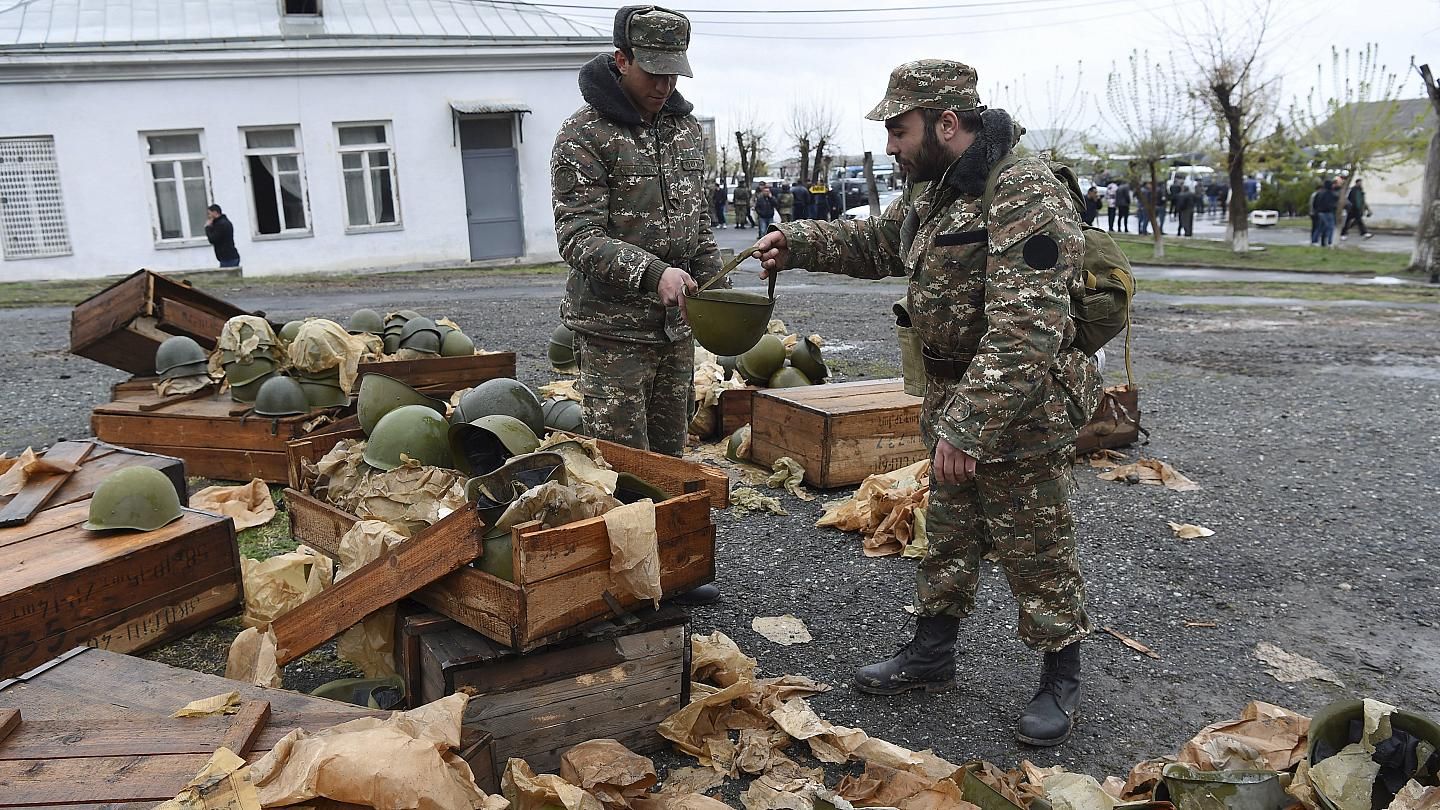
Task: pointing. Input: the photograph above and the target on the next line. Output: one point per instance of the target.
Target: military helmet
(631, 488)
(501, 395)
(391, 342)
(729, 321)
(177, 355)
(562, 349)
(363, 321)
(763, 360)
(246, 392)
(322, 394)
(138, 498)
(281, 396)
(1339, 724)
(380, 395)
(290, 331)
(422, 335)
(415, 431)
(483, 445)
(241, 373)
(493, 491)
(562, 414)
(456, 344)
(788, 377)
(806, 357)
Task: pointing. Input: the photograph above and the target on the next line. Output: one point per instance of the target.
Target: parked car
(863, 211)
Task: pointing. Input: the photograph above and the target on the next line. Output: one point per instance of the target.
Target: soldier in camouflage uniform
(632, 219)
(1005, 392)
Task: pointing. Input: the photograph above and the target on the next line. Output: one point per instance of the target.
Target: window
(302, 7)
(32, 214)
(276, 168)
(181, 185)
(367, 167)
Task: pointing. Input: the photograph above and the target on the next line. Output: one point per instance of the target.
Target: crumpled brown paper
(321, 345)
(560, 389)
(829, 743)
(1265, 737)
(249, 505)
(274, 586)
(788, 786)
(179, 386)
(635, 549)
(1151, 471)
(403, 761)
(783, 630)
(252, 658)
(717, 659)
(882, 509)
(340, 472)
(223, 784)
(1076, 791)
(691, 780)
(745, 499)
(227, 703)
(1144, 776)
(670, 800)
(19, 470)
(787, 474)
(260, 333)
(881, 786)
(370, 643)
(1288, 667)
(584, 463)
(556, 504)
(410, 499)
(1189, 531)
(526, 791)
(1415, 796)
(608, 770)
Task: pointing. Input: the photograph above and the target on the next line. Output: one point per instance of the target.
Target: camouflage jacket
(974, 294)
(630, 200)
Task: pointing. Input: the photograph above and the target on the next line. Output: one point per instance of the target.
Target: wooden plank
(97, 779)
(185, 318)
(223, 464)
(534, 744)
(316, 523)
(484, 603)
(135, 734)
(736, 409)
(422, 559)
(38, 489)
(644, 682)
(245, 726)
(667, 472)
(105, 459)
(108, 311)
(451, 373)
(181, 426)
(9, 721)
(59, 518)
(544, 553)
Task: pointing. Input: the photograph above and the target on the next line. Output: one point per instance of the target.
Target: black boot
(1050, 715)
(927, 662)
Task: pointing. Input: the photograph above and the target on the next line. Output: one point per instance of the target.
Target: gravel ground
(1311, 430)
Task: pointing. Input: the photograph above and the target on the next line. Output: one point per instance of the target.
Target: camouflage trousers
(1019, 511)
(636, 394)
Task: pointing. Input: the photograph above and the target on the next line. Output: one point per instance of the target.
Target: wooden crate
(442, 376)
(102, 460)
(617, 681)
(123, 324)
(840, 432)
(562, 575)
(61, 585)
(736, 409)
(95, 731)
(213, 442)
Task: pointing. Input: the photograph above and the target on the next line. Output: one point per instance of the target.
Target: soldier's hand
(674, 283)
(951, 465)
(773, 251)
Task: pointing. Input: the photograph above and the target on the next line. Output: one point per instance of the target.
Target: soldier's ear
(622, 61)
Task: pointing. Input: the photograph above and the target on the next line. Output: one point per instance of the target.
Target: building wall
(108, 195)
(1394, 195)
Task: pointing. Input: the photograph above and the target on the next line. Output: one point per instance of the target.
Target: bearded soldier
(989, 294)
(633, 222)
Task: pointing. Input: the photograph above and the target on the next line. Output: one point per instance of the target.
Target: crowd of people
(1181, 201)
(767, 205)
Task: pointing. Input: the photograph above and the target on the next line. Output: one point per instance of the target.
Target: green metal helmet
(379, 395)
(456, 344)
(1331, 730)
(413, 430)
(320, 394)
(176, 352)
(241, 373)
(562, 414)
(727, 364)
(806, 357)
(562, 349)
(289, 331)
(735, 442)
(281, 396)
(789, 377)
(729, 321)
(763, 360)
(501, 395)
(246, 392)
(495, 490)
(396, 320)
(392, 342)
(631, 488)
(422, 335)
(483, 445)
(137, 498)
(365, 320)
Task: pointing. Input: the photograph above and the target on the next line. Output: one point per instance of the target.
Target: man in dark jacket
(1122, 206)
(222, 236)
(1355, 211)
(764, 208)
(1326, 201)
(801, 205)
(717, 199)
(1185, 210)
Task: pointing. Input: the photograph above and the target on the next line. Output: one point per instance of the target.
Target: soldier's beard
(931, 160)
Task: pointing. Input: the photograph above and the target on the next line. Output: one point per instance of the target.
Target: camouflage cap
(658, 37)
(937, 84)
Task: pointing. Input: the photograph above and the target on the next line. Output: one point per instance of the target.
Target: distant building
(336, 134)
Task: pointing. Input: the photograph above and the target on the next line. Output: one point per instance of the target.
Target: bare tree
(1052, 112)
(725, 164)
(812, 126)
(752, 139)
(1426, 256)
(1231, 83)
(1355, 127)
(1151, 121)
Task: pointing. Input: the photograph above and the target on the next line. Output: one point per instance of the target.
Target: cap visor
(663, 63)
(889, 108)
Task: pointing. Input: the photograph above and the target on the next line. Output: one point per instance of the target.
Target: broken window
(181, 186)
(276, 168)
(367, 165)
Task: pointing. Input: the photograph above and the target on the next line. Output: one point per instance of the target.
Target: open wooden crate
(562, 574)
(443, 376)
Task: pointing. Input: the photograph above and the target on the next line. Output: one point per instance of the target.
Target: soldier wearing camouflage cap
(1006, 391)
(632, 220)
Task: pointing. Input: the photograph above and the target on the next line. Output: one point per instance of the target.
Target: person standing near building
(1110, 191)
(1355, 211)
(1185, 212)
(1092, 205)
(1326, 201)
(1122, 206)
(1145, 200)
(800, 204)
(221, 235)
(742, 205)
(989, 294)
(717, 219)
(764, 208)
(1315, 215)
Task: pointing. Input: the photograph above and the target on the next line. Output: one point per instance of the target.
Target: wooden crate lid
(455, 646)
(833, 399)
(103, 460)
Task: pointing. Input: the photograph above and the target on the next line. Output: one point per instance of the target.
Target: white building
(336, 134)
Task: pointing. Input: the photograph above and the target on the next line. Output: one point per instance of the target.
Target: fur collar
(600, 87)
(967, 175)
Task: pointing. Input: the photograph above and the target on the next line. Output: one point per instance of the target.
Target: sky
(758, 58)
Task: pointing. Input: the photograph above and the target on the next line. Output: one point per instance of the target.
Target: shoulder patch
(1041, 252)
(565, 180)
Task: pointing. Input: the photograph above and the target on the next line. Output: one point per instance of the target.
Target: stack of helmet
(561, 414)
(453, 342)
(394, 324)
(401, 421)
(421, 335)
(281, 396)
(365, 322)
(247, 372)
(408, 329)
(563, 357)
(180, 356)
(288, 332)
(318, 343)
(764, 364)
(322, 389)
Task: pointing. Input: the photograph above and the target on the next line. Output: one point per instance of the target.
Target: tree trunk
(818, 168)
(871, 191)
(804, 145)
(744, 159)
(1239, 222)
(1425, 258)
(1148, 203)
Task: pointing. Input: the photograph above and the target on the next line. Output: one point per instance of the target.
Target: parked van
(1202, 175)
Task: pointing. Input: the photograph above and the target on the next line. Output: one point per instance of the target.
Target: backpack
(1103, 311)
